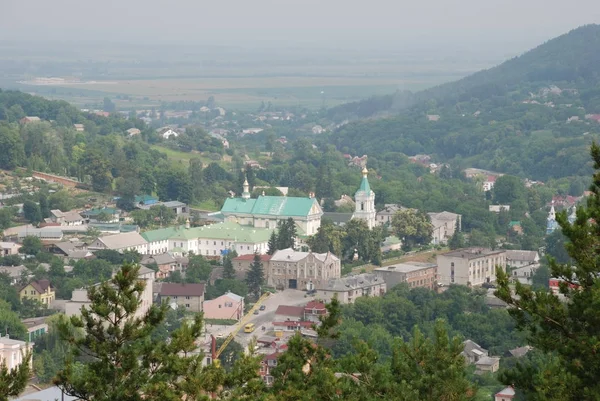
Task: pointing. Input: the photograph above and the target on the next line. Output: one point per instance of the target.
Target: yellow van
(249, 328)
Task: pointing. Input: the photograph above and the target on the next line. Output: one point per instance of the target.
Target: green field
(182, 159)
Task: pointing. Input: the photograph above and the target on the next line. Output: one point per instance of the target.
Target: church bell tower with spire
(365, 201)
(246, 193)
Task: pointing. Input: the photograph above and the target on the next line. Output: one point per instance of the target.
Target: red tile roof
(315, 305)
(41, 285)
(176, 289)
(290, 310)
(305, 324)
(250, 256)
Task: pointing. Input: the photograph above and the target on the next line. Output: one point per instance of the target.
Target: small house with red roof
(508, 394)
(313, 310)
(268, 362)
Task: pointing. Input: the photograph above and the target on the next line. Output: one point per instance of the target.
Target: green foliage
(255, 277)
(31, 212)
(31, 245)
(414, 228)
(121, 362)
(198, 270)
(13, 382)
(565, 326)
(11, 323)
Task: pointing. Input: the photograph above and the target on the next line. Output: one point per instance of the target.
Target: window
(228, 304)
(187, 305)
(221, 242)
(214, 242)
(187, 297)
(362, 205)
(175, 297)
(219, 306)
(214, 252)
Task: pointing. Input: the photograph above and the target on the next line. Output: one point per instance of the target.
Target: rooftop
(177, 289)
(282, 206)
(290, 255)
(123, 240)
(407, 267)
(290, 310)
(250, 256)
(529, 256)
(352, 282)
(472, 253)
(221, 231)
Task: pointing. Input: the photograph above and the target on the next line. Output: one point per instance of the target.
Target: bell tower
(365, 201)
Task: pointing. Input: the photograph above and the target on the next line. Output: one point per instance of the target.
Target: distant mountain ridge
(573, 57)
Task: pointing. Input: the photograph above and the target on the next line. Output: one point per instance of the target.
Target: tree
(13, 151)
(228, 270)
(508, 189)
(566, 327)
(44, 209)
(272, 244)
(108, 105)
(286, 234)
(6, 216)
(414, 228)
(10, 322)
(255, 277)
(13, 382)
(198, 269)
(121, 363)
(31, 212)
(457, 240)
(31, 245)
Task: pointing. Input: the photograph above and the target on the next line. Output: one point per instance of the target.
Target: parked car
(256, 312)
(262, 307)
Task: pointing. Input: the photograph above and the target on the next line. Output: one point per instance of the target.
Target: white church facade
(364, 200)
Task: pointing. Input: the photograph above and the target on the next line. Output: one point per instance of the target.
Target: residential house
(70, 218)
(36, 326)
(178, 207)
(79, 127)
(242, 263)
(444, 225)
(133, 132)
(39, 290)
(12, 352)
(14, 272)
(101, 215)
(344, 200)
(358, 161)
(71, 250)
(314, 310)
(489, 182)
(415, 274)
(30, 119)
(145, 200)
(433, 117)
(80, 298)
(49, 394)
(302, 270)
(347, 289)
(519, 352)
(520, 258)
(470, 266)
(190, 296)
(210, 241)
(472, 351)
(268, 211)
(514, 227)
(9, 248)
(487, 364)
(507, 394)
(227, 306)
(268, 362)
(285, 313)
(131, 241)
(165, 262)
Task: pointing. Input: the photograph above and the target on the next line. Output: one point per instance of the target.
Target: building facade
(415, 274)
(227, 306)
(302, 270)
(40, 290)
(444, 225)
(187, 295)
(347, 289)
(470, 266)
(13, 352)
(9, 248)
(131, 241)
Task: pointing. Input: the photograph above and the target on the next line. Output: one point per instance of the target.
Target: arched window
(362, 205)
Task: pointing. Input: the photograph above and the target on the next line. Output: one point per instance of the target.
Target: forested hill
(532, 116)
(573, 57)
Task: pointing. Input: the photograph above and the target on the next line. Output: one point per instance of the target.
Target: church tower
(365, 201)
(246, 193)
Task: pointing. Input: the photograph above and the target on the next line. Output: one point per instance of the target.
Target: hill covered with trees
(532, 116)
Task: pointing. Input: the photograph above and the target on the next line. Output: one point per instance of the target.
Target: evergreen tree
(114, 357)
(13, 382)
(255, 276)
(228, 270)
(272, 244)
(31, 212)
(286, 234)
(457, 240)
(565, 325)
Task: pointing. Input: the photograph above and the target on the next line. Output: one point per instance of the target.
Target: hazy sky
(347, 23)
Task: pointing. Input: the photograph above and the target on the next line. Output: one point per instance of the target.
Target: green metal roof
(364, 186)
(145, 198)
(96, 212)
(220, 231)
(238, 205)
(282, 206)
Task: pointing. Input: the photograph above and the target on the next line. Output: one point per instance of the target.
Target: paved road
(287, 297)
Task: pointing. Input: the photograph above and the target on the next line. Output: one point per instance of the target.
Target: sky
(517, 24)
